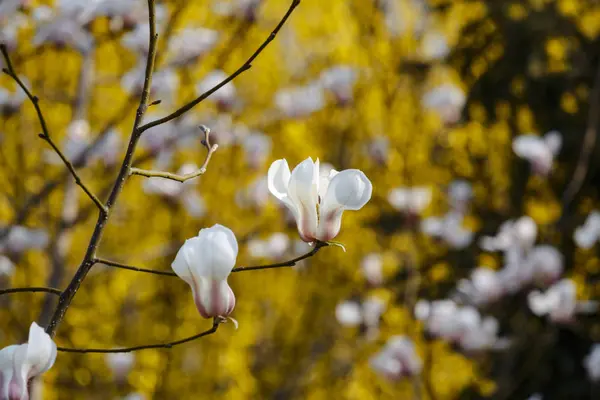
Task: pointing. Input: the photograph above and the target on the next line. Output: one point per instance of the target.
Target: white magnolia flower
(349, 313)
(300, 101)
(243, 9)
(547, 264)
(397, 359)
(378, 149)
(256, 195)
(120, 363)
(447, 101)
(19, 363)
(372, 268)
(434, 46)
(539, 151)
(225, 96)
(318, 201)
(274, 247)
(521, 233)
(204, 262)
(460, 193)
(559, 302)
(592, 363)
(257, 147)
(20, 239)
(340, 80)
(411, 200)
(7, 267)
(448, 228)
(587, 235)
(191, 43)
(484, 287)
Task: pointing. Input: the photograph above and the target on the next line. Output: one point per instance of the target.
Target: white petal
(304, 192)
(348, 190)
(41, 350)
(278, 180)
(538, 303)
(348, 313)
(553, 140)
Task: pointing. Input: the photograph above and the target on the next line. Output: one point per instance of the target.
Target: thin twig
(246, 66)
(45, 135)
(31, 290)
(289, 263)
(168, 345)
(182, 178)
(88, 260)
(587, 146)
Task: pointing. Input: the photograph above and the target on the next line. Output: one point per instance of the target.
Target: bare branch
(31, 290)
(168, 345)
(289, 263)
(88, 260)
(45, 135)
(182, 178)
(246, 66)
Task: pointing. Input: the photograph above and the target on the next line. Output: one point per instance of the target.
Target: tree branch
(182, 178)
(246, 66)
(168, 345)
(88, 260)
(45, 135)
(31, 290)
(289, 263)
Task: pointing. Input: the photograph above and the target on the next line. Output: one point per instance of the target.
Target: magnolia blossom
(447, 101)
(339, 80)
(372, 268)
(20, 239)
(243, 9)
(256, 195)
(10, 102)
(559, 302)
(274, 247)
(318, 201)
(349, 313)
(411, 200)
(484, 287)
(539, 151)
(520, 233)
(19, 363)
(460, 193)
(378, 149)
(225, 96)
(591, 363)
(434, 46)
(7, 268)
(448, 228)
(397, 359)
(257, 147)
(120, 363)
(587, 235)
(368, 313)
(190, 44)
(300, 101)
(461, 325)
(547, 264)
(204, 262)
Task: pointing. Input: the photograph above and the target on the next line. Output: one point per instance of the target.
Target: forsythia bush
(465, 264)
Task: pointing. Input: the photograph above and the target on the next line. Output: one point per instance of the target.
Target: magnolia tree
(140, 134)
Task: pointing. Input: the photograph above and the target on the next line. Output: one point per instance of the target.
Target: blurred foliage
(525, 66)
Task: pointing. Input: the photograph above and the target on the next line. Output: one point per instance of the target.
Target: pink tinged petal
(348, 190)
(303, 191)
(214, 298)
(41, 351)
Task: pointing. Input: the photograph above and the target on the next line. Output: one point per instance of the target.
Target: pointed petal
(278, 180)
(41, 350)
(348, 190)
(304, 192)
